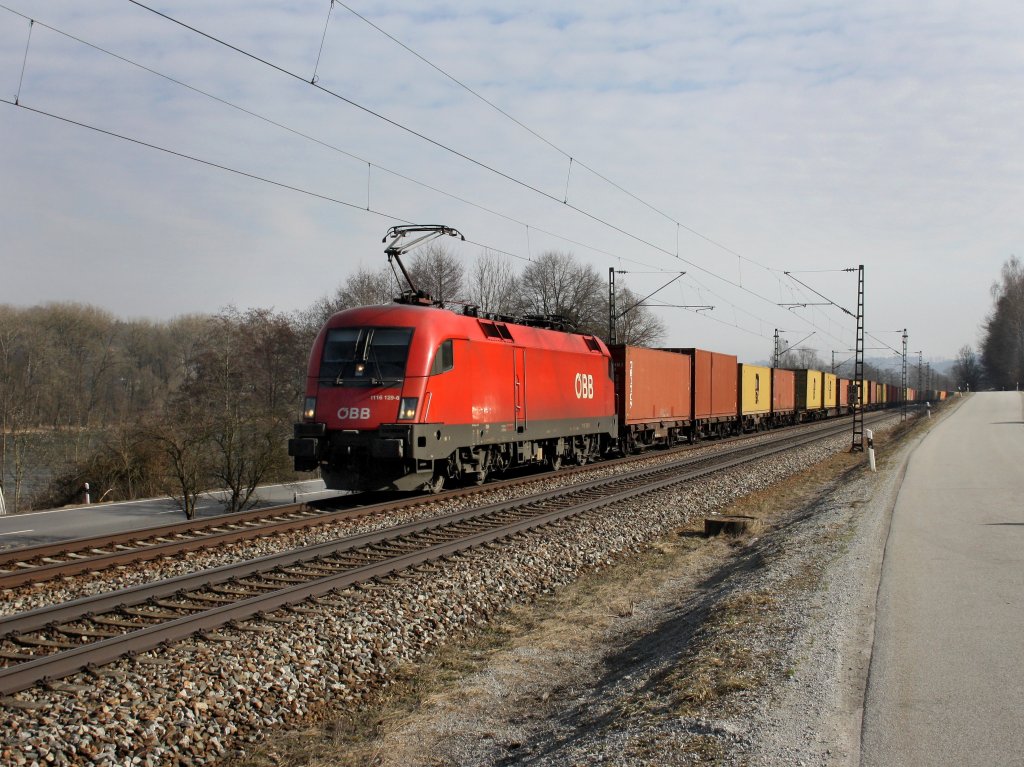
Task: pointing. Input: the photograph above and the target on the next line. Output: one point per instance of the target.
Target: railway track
(38, 564)
(51, 643)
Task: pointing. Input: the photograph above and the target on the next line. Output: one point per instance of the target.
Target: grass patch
(721, 660)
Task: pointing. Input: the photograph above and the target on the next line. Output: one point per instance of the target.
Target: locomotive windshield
(365, 356)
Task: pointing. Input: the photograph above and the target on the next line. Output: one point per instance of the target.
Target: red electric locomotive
(407, 396)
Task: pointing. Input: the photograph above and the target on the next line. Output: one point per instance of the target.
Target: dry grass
(720, 661)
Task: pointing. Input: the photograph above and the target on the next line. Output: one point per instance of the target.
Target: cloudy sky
(734, 143)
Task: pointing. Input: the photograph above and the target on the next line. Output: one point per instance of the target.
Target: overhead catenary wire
(24, 61)
(452, 150)
(368, 207)
(323, 39)
(201, 161)
(332, 147)
(326, 145)
(571, 158)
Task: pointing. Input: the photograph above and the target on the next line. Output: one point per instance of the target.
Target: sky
(735, 142)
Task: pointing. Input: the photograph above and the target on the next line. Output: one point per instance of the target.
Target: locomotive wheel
(436, 484)
(555, 462)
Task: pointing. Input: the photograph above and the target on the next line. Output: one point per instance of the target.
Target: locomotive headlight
(309, 409)
(407, 408)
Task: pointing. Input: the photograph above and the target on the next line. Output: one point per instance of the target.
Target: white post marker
(3, 506)
(871, 448)
(928, 408)
(86, 488)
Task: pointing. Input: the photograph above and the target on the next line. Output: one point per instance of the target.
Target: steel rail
(56, 665)
(136, 595)
(10, 557)
(22, 566)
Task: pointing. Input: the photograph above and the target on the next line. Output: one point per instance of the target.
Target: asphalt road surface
(18, 530)
(946, 683)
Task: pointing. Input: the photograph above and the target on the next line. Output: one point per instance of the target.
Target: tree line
(144, 408)
(1001, 363)
(555, 283)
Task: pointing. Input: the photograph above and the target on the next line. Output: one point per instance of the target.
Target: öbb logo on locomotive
(584, 386)
(353, 414)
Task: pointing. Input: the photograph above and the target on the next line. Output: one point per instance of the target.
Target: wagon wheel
(554, 462)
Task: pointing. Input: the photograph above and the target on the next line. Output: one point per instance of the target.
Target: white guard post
(86, 490)
(3, 507)
(871, 448)
(928, 408)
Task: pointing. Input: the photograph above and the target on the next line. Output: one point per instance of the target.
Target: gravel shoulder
(729, 651)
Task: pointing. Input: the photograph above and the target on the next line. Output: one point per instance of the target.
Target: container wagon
(653, 396)
(829, 397)
(715, 400)
(754, 384)
(783, 397)
(809, 394)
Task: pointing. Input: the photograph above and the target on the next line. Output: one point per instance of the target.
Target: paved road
(17, 530)
(946, 684)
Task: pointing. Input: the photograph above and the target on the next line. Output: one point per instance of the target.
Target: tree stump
(730, 525)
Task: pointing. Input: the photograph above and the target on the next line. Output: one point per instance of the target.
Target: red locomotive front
(405, 397)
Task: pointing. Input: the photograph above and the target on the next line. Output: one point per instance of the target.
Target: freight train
(410, 396)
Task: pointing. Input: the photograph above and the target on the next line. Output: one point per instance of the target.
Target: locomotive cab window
(444, 358)
(365, 356)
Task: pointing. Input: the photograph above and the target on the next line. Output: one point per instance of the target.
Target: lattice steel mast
(858, 369)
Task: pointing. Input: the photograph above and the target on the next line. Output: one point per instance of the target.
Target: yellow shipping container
(755, 389)
(809, 389)
(831, 391)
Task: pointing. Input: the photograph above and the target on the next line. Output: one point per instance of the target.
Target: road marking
(17, 532)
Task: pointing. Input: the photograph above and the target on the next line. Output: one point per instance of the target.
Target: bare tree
(492, 284)
(365, 287)
(802, 358)
(557, 284)
(19, 396)
(436, 271)
(182, 435)
(636, 324)
(245, 409)
(967, 370)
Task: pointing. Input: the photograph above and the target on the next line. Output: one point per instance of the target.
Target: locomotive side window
(444, 358)
(365, 356)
